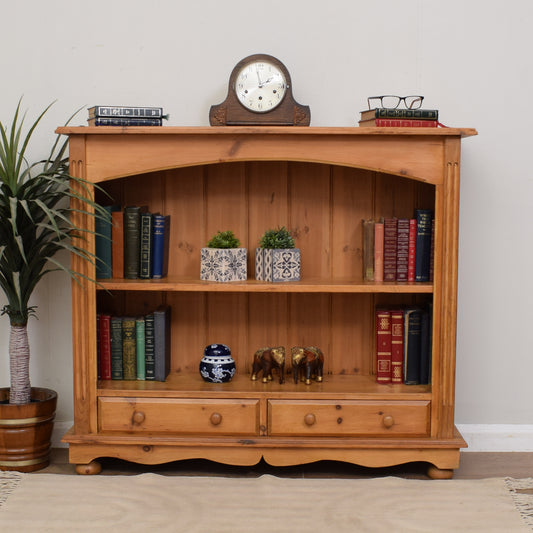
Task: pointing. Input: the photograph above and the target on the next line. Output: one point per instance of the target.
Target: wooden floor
(473, 465)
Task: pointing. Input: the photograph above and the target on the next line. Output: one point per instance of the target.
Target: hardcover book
(125, 111)
(109, 121)
(390, 240)
(103, 244)
(425, 347)
(149, 347)
(379, 232)
(398, 123)
(383, 346)
(402, 250)
(116, 348)
(140, 348)
(397, 345)
(129, 347)
(104, 345)
(412, 250)
(423, 243)
(145, 257)
(368, 250)
(132, 241)
(415, 114)
(162, 342)
(160, 242)
(117, 251)
(412, 345)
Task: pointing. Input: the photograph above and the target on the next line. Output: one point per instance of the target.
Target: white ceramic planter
(277, 264)
(223, 264)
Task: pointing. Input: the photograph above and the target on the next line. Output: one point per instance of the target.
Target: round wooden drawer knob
(138, 417)
(309, 419)
(388, 421)
(215, 419)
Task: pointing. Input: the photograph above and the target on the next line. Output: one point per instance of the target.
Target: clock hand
(259, 79)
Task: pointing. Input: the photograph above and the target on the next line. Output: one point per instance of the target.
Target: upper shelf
(112, 152)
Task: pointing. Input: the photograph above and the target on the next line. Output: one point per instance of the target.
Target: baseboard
(480, 437)
(497, 437)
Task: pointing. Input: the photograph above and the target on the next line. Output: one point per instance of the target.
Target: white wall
(471, 59)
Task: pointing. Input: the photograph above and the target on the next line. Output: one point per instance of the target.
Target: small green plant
(224, 239)
(276, 239)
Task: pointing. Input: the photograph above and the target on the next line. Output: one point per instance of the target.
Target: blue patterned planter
(223, 264)
(217, 365)
(277, 265)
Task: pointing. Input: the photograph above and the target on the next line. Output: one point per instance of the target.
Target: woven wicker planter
(26, 431)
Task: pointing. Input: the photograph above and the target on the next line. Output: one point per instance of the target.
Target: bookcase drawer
(167, 415)
(348, 418)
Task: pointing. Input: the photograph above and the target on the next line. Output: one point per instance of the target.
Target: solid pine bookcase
(320, 183)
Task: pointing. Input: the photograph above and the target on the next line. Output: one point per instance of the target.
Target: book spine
(368, 250)
(102, 244)
(402, 250)
(390, 239)
(149, 347)
(425, 348)
(423, 243)
(140, 348)
(117, 252)
(145, 250)
(383, 346)
(412, 250)
(432, 251)
(397, 346)
(101, 121)
(162, 342)
(132, 232)
(412, 333)
(125, 111)
(419, 114)
(104, 342)
(129, 355)
(405, 123)
(116, 348)
(379, 233)
(161, 235)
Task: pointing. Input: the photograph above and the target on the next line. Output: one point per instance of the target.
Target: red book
(383, 346)
(390, 239)
(412, 250)
(402, 249)
(378, 251)
(398, 123)
(104, 342)
(117, 250)
(397, 346)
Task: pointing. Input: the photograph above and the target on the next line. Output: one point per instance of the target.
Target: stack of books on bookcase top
(399, 118)
(101, 115)
(399, 249)
(134, 348)
(132, 244)
(403, 345)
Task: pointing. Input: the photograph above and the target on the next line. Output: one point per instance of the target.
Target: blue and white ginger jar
(217, 365)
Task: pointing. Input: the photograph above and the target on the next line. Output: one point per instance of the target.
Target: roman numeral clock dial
(260, 92)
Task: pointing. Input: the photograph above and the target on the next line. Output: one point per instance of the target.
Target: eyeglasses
(389, 101)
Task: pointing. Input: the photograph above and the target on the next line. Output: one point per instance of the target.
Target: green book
(139, 329)
(129, 349)
(116, 348)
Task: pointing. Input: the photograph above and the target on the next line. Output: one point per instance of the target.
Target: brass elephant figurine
(265, 359)
(307, 363)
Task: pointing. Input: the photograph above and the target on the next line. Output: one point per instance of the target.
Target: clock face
(260, 86)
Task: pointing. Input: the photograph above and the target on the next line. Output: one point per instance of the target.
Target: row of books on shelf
(403, 345)
(134, 348)
(100, 115)
(132, 243)
(399, 249)
(400, 118)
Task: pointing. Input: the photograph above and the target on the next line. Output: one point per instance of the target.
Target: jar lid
(214, 350)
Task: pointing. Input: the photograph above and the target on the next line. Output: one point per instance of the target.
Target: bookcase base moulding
(320, 183)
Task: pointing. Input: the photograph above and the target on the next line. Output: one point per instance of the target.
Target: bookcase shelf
(321, 183)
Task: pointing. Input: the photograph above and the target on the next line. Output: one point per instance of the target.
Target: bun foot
(91, 469)
(439, 473)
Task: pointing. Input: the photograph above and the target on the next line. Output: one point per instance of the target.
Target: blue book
(160, 238)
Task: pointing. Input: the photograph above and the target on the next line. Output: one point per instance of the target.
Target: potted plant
(277, 259)
(222, 260)
(35, 224)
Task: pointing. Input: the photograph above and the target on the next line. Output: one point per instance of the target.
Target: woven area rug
(152, 502)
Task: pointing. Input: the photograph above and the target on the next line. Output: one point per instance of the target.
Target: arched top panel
(106, 153)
